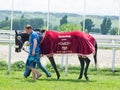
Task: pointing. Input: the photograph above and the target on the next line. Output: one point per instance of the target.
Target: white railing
(109, 41)
(7, 32)
(7, 36)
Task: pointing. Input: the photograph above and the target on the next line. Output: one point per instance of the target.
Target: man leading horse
(53, 42)
(34, 53)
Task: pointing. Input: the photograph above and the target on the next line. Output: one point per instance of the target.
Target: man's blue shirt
(34, 35)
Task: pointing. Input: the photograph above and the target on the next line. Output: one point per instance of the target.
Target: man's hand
(33, 53)
(27, 43)
(41, 55)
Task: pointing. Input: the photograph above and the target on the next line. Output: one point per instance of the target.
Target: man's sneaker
(49, 75)
(38, 76)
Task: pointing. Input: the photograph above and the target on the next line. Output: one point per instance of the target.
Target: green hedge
(3, 65)
(19, 65)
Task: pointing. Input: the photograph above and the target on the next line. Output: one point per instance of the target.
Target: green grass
(99, 80)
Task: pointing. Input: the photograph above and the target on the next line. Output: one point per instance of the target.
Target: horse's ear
(43, 30)
(16, 32)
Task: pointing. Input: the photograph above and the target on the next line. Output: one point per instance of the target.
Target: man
(34, 51)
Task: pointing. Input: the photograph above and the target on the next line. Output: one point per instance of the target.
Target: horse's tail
(95, 55)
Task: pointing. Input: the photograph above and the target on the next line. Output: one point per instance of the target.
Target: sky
(93, 7)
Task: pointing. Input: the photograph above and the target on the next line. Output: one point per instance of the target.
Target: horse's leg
(39, 64)
(54, 66)
(87, 60)
(95, 56)
(82, 63)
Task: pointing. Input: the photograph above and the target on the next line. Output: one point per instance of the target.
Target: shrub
(19, 65)
(3, 65)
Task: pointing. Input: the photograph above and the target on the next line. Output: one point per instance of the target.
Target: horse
(64, 40)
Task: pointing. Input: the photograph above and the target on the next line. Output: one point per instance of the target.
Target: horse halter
(19, 39)
(21, 42)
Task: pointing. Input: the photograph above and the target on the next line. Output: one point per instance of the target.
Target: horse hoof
(87, 78)
(79, 78)
(58, 76)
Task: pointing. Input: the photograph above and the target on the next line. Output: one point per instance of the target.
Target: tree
(88, 24)
(63, 20)
(6, 18)
(96, 30)
(5, 24)
(55, 27)
(37, 22)
(114, 31)
(106, 25)
(69, 27)
(22, 16)
(20, 23)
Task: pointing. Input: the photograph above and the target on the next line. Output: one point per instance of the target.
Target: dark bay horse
(68, 42)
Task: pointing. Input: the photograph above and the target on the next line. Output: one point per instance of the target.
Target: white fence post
(66, 66)
(61, 65)
(9, 55)
(10, 43)
(113, 57)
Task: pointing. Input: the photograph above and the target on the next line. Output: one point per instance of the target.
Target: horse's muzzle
(17, 49)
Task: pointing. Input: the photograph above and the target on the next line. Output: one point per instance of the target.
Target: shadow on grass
(29, 80)
(112, 74)
(51, 80)
(23, 79)
(67, 80)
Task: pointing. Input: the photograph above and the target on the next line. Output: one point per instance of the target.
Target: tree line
(105, 26)
(18, 24)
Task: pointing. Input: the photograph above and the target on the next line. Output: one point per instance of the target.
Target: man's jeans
(27, 70)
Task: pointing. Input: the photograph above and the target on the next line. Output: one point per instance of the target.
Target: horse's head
(20, 38)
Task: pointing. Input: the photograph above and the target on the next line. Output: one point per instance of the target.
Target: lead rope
(23, 45)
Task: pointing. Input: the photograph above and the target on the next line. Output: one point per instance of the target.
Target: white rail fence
(104, 41)
(7, 36)
(109, 41)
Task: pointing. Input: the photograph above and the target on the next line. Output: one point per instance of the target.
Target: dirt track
(104, 57)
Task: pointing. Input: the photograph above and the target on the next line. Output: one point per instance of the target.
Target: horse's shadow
(52, 79)
(23, 79)
(66, 80)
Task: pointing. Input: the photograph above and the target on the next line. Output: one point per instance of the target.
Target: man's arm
(34, 46)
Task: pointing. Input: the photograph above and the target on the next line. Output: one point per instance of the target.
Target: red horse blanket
(67, 42)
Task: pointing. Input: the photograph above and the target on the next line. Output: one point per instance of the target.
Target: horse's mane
(39, 30)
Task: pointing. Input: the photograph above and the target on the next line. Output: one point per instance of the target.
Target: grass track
(100, 80)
